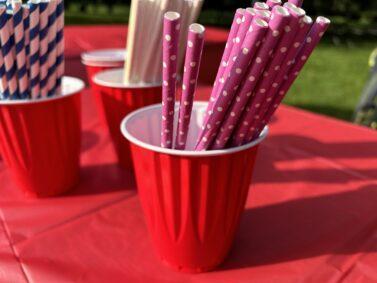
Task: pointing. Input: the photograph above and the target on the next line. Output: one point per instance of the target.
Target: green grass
(331, 82)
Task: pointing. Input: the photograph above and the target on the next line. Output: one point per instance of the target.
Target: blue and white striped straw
(43, 40)
(59, 45)
(26, 21)
(51, 35)
(4, 92)
(34, 48)
(7, 51)
(19, 37)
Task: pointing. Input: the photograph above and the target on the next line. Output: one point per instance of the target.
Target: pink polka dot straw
(261, 6)
(194, 50)
(170, 41)
(273, 3)
(263, 14)
(230, 85)
(237, 20)
(298, 3)
(261, 96)
(241, 34)
(316, 32)
(287, 64)
(275, 28)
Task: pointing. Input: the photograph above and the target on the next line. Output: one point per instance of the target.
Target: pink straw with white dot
(237, 20)
(169, 74)
(230, 86)
(298, 3)
(273, 3)
(263, 14)
(242, 101)
(241, 34)
(192, 63)
(261, 6)
(261, 97)
(300, 37)
(311, 41)
(247, 18)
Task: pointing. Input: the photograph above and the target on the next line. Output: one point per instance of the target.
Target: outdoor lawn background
(333, 79)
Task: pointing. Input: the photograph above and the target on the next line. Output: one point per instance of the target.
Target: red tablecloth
(310, 216)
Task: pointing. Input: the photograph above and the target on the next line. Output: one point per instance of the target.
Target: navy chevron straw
(51, 51)
(43, 30)
(7, 50)
(34, 49)
(60, 44)
(19, 36)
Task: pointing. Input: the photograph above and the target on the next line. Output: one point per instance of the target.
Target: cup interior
(104, 55)
(143, 127)
(115, 78)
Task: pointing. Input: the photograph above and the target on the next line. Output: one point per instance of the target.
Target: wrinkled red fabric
(310, 215)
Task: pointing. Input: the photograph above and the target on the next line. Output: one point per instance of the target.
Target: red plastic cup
(96, 61)
(192, 200)
(100, 60)
(40, 140)
(117, 99)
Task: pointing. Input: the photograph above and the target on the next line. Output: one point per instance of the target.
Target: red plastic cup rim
(70, 86)
(112, 55)
(114, 78)
(197, 105)
(115, 64)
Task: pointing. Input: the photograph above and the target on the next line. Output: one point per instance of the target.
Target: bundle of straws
(32, 48)
(267, 47)
(143, 58)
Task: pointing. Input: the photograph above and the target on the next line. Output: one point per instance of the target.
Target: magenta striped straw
(316, 32)
(267, 81)
(230, 86)
(194, 50)
(298, 3)
(261, 6)
(242, 101)
(237, 20)
(273, 3)
(170, 42)
(300, 37)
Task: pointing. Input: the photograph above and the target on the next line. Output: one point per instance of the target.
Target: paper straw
(298, 3)
(34, 48)
(289, 60)
(26, 22)
(316, 32)
(192, 64)
(243, 99)
(169, 74)
(230, 86)
(4, 92)
(260, 98)
(273, 3)
(43, 49)
(59, 45)
(238, 40)
(263, 14)
(243, 28)
(6, 47)
(19, 36)
(261, 6)
(237, 20)
(132, 25)
(51, 58)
